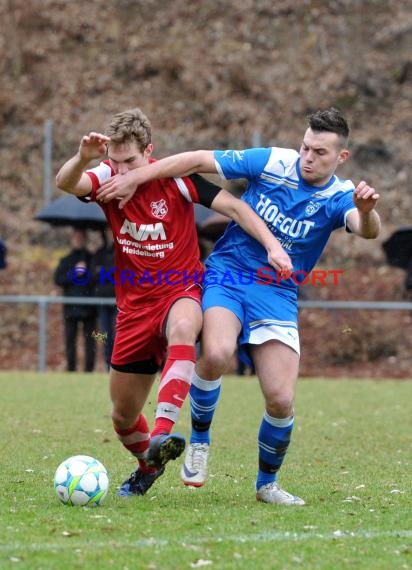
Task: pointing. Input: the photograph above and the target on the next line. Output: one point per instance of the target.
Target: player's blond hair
(130, 126)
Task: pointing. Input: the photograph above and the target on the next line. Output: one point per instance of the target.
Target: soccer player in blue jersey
(302, 201)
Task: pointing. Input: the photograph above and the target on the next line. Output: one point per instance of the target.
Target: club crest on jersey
(312, 208)
(159, 209)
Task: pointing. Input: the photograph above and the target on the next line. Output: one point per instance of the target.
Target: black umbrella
(70, 211)
(398, 247)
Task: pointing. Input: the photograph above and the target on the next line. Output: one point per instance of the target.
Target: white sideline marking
(261, 537)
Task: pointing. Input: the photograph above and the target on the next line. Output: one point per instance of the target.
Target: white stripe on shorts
(284, 331)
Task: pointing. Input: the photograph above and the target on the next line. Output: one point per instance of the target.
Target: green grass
(350, 459)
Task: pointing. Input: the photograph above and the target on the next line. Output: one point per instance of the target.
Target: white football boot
(272, 493)
(194, 468)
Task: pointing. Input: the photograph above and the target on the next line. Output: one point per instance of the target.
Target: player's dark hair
(330, 120)
(130, 126)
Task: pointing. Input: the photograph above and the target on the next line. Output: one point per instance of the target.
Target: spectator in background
(408, 279)
(3, 253)
(68, 275)
(243, 368)
(102, 261)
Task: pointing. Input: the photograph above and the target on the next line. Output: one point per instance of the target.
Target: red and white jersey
(156, 246)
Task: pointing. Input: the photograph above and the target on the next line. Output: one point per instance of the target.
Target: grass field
(350, 459)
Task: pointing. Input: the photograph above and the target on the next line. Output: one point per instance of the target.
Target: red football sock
(136, 440)
(174, 386)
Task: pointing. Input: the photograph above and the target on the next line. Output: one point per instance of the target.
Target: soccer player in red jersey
(157, 278)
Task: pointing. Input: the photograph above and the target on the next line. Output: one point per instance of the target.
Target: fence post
(42, 333)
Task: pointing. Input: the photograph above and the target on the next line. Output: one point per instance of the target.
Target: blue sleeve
(248, 163)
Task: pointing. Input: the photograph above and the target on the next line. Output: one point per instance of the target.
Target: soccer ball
(81, 480)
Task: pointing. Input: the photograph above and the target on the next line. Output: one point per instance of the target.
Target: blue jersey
(299, 215)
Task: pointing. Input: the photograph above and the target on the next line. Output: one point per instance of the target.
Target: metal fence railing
(43, 301)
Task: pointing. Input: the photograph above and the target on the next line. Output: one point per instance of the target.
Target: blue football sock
(273, 442)
(204, 396)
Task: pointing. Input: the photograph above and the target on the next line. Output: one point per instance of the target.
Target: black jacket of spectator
(102, 261)
(408, 280)
(64, 278)
(3, 252)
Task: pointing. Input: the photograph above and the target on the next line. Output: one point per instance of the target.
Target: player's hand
(281, 261)
(365, 197)
(93, 145)
(120, 187)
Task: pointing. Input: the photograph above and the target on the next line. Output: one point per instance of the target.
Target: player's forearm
(251, 223)
(186, 163)
(369, 225)
(176, 165)
(69, 175)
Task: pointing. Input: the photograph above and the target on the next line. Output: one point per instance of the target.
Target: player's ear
(148, 150)
(343, 156)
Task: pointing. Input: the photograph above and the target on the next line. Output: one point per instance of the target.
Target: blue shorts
(266, 312)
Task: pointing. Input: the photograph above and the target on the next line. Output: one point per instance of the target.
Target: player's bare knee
(279, 405)
(183, 331)
(122, 420)
(216, 356)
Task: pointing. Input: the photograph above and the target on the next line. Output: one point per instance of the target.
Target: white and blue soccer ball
(81, 480)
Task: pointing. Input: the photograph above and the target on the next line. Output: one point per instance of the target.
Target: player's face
(127, 156)
(320, 155)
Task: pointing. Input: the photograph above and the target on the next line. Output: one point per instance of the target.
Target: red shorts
(140, 334)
